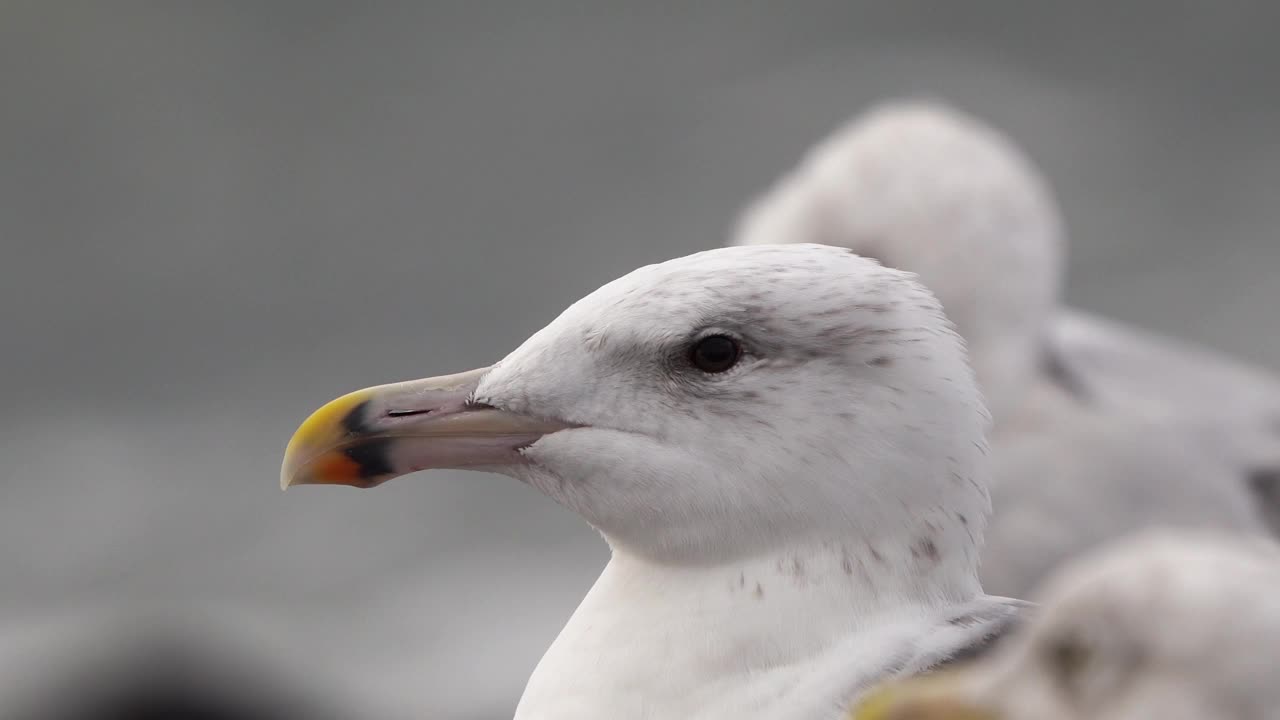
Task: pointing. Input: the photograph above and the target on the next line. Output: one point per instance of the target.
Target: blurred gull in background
(1176, 625)
(1099, 429)
(784, 449)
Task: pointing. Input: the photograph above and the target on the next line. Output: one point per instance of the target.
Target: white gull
(783, 447)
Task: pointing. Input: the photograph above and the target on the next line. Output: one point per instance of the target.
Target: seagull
(784, 449)
(1099, 429)
(1177, 625)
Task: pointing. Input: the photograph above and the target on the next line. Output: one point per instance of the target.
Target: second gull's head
(926, 188)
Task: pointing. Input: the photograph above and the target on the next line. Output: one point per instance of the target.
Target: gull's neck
(659, 640)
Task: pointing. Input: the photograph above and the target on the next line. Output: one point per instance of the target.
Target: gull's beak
(941, 696)
(370, 436)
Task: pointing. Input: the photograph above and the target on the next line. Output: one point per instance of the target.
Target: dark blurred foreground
(165, 677)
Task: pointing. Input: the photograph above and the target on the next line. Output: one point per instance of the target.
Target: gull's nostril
(406, 413)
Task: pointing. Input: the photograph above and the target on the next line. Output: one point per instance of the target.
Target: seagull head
(925, 188)
(1169, 623)
(706, 408)
(1178, 624)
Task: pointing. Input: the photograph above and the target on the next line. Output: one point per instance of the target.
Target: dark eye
(715, 354)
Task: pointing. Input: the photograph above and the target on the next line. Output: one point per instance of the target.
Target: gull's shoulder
(902, 648)
(1177, 377)
(971, 630)
(1227, 409)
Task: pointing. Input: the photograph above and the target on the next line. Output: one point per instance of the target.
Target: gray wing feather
(1224, 408)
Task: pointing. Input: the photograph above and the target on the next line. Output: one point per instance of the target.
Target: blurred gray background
(216, 216)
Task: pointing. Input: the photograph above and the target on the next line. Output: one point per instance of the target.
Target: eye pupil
(715, 354)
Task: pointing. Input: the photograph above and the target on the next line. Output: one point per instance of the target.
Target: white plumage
(1099, 429)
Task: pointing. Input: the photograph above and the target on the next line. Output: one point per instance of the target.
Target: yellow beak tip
(321, 429)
